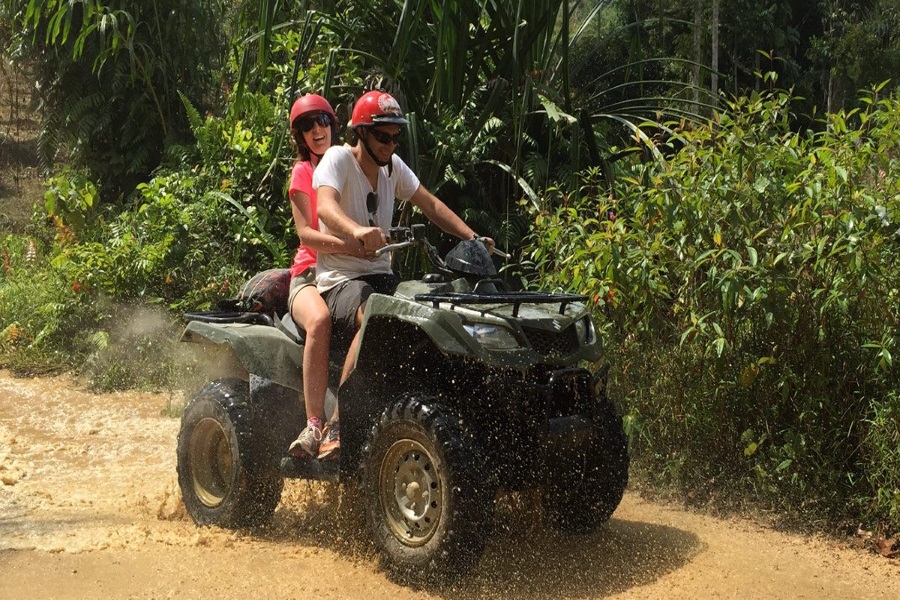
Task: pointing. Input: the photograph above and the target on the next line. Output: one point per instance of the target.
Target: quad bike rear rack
(229, 316)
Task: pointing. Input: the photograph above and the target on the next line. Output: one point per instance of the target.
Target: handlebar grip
(391, 247)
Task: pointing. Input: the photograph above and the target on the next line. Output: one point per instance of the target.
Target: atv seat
(287, 326)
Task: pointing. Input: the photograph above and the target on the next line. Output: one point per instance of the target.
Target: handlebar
(391, 247)
(402, 237)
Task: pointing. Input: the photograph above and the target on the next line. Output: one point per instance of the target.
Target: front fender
(240, 349)
(445, 329)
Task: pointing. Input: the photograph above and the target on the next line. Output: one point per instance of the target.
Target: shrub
(41, 312)
(747, 288)
(214, 213)
(194, 230)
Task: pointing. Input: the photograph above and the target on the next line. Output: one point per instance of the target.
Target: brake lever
(496, 250)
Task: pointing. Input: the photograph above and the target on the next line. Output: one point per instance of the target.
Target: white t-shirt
(339, 169)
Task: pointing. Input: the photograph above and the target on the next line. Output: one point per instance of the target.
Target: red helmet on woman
(308, 104)
(376, 108)
(305, 105)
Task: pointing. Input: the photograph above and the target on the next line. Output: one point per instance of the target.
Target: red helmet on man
(310, 103)
(376, 108)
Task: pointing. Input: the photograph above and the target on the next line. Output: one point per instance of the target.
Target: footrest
(310, 468)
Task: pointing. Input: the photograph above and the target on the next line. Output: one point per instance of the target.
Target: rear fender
(239, 349)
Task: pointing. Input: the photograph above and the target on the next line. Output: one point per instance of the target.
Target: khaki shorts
(304, 279)
(344, 299)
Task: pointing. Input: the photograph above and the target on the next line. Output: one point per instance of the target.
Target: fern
(194, 118)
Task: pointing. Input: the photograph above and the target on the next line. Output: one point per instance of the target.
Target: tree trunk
(698, 51)
(835, 91)
(714, 66)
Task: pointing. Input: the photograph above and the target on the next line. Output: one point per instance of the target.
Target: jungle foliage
(748, 287)
(110, 75)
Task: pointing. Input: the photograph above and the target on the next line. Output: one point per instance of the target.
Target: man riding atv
(358, 185)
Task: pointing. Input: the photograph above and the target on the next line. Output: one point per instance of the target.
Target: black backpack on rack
(262, 299)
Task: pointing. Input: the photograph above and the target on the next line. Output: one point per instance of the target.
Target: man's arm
(441, 215)
(338, 223)
(317, 240)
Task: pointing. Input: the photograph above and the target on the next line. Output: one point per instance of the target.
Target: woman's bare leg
(310, 312)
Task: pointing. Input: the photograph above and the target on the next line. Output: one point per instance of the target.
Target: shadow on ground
(524, 559)
(546, 564)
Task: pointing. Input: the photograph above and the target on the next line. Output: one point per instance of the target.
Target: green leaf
(720, 346)
(842, 173)
(554, 113)
(751, 253)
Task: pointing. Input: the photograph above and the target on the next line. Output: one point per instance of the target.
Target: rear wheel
(585, 490)
(224, 471)
(427, 505)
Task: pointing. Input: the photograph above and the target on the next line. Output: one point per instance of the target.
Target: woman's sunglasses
(385, 138)
(372, 207)
(307, 123)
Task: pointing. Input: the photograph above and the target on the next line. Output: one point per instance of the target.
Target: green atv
(462, 389)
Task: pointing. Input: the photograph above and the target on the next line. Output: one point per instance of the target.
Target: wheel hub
(211, 462)
(414, 491)
(410, 492)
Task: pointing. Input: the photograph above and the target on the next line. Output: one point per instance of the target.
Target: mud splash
(89, 507)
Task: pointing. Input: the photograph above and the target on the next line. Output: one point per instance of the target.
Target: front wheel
(226, 479)
(429, 506)
(585, 490)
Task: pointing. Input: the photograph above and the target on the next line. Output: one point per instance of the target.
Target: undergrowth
(747, 290)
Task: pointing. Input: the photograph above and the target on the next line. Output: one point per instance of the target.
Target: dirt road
(89, 508)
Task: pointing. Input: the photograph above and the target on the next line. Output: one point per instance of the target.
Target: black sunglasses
(307, 123)
(372, 207)
(385, 138)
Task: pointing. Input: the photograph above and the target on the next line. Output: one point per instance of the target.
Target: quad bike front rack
(517, 299)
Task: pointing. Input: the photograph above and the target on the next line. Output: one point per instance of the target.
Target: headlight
(492, 337)
(585, 330)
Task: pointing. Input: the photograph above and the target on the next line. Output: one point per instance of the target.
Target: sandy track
(89, 508)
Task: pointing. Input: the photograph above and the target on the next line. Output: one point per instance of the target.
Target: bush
(194, 230)
(41, 312)
(70, 305)
(215, 213)
(747, 287)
